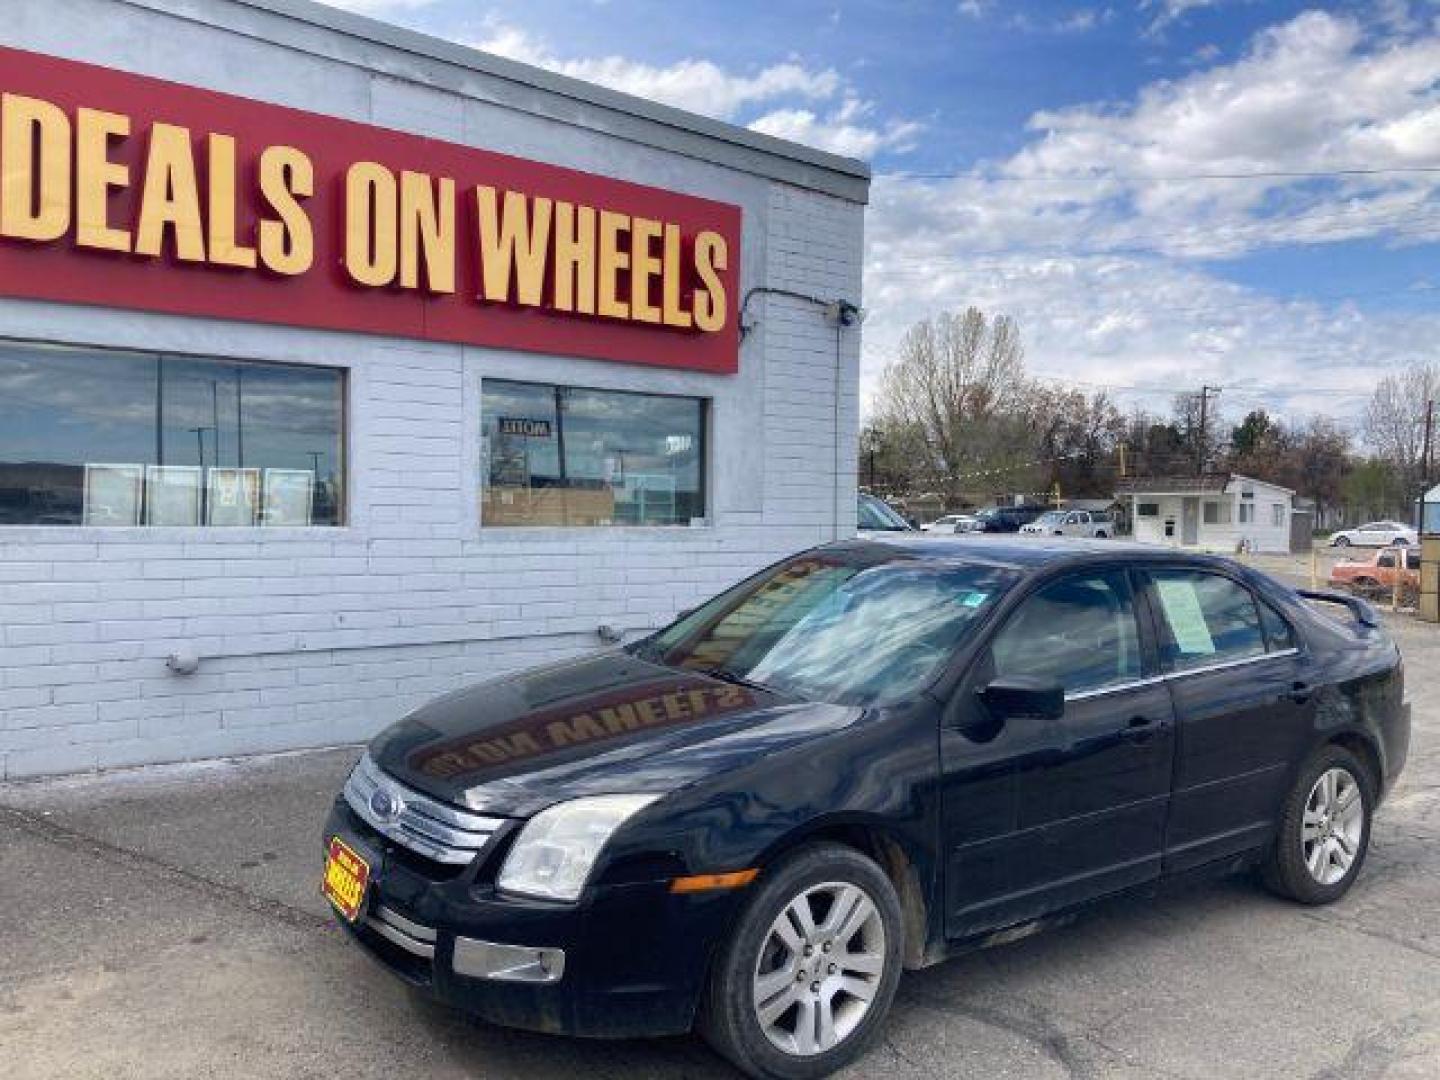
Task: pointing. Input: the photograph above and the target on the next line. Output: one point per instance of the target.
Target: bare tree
(1395, 420)
(959, 383)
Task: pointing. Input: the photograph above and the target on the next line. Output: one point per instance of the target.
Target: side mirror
(1017, 697)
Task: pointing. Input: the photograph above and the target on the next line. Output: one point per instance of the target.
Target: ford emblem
(385, 806)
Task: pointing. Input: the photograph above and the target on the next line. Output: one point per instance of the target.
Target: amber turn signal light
(710, 882)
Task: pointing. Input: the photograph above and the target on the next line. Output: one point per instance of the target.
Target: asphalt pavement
(165, 923)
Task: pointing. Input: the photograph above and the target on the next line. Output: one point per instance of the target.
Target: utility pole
(1205, 394)
(1426, 454)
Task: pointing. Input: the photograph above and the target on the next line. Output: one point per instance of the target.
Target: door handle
(1139, 729)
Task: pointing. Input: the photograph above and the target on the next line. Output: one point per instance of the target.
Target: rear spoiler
(1364, 614)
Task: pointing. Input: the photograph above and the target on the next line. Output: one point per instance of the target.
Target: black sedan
(864, 759)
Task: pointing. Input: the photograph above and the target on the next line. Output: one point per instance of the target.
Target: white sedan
(951, 523)
(1375, 534)
(1091, 524)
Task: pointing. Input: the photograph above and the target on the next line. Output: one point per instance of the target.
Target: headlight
(557, 849)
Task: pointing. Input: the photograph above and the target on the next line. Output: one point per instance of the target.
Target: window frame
(706, 481)
(1139, 612)
(345, 506)
(1161, 627)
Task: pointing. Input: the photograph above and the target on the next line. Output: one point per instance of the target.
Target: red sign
(126, 191)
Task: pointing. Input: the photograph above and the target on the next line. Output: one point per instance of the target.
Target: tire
(1400, 541)
(819, 876)
(1101, 536)
(1297, 867)
(1365, 586)
(1340, 541)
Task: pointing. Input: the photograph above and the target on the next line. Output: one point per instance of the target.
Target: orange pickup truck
(1375, 574)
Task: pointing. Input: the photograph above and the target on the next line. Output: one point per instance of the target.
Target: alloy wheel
(819, 969)
(1332, 826)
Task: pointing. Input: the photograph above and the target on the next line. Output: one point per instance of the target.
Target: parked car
(1092, 524)
(950, 523)
(1006, 519)
(875, 516)
(1376, 574)
(868, 757)
(1375, 534)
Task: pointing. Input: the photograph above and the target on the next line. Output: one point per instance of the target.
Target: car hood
(603, 724)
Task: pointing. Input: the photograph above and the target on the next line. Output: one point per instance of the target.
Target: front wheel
(803, 985)
(1341, 541)
(1324, 829)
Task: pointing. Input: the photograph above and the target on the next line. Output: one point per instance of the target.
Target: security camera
(844, 313)
(183, 661)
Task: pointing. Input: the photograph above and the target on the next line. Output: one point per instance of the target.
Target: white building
(300, 425)
(1218, 512)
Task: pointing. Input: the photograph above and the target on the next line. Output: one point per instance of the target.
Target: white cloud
(814, 106)
(1092, 234)
(698, 85)
(1169, 11)
(380, 7)
(847, 130)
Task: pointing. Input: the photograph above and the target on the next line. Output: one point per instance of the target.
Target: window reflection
(101, 437)
(557, 455)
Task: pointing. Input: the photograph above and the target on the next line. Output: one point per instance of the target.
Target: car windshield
(877, 516)
(1051, 517)
(837, 627)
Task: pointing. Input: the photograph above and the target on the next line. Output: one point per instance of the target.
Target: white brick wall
(313, 637)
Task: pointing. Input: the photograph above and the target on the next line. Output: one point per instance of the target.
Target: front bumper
(632, 958)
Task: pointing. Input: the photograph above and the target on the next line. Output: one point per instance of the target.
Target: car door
(1372, 534)
(1386, 567)
(1244, 711)
(1042, 814)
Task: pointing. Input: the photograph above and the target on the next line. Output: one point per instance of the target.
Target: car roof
(1029, 553)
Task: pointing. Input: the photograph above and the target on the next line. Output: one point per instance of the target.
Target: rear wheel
(803, 986)
(1324, 829)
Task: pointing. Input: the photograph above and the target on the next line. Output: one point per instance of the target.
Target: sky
(1163, 193)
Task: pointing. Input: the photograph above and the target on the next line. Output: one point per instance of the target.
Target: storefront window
(102, 437)
(557, 455)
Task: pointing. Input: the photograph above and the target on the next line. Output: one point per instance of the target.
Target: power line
(1259, 174)
(1255, 302)
(1152, 244)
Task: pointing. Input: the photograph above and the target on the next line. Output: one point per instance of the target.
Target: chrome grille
(426, 826)
(415, 939)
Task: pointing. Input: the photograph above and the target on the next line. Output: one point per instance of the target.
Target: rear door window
(1207, 620)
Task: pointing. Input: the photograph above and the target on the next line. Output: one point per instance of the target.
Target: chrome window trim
(1227, 664)
(424, 825)
(1136, 684)
(1117, 688)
